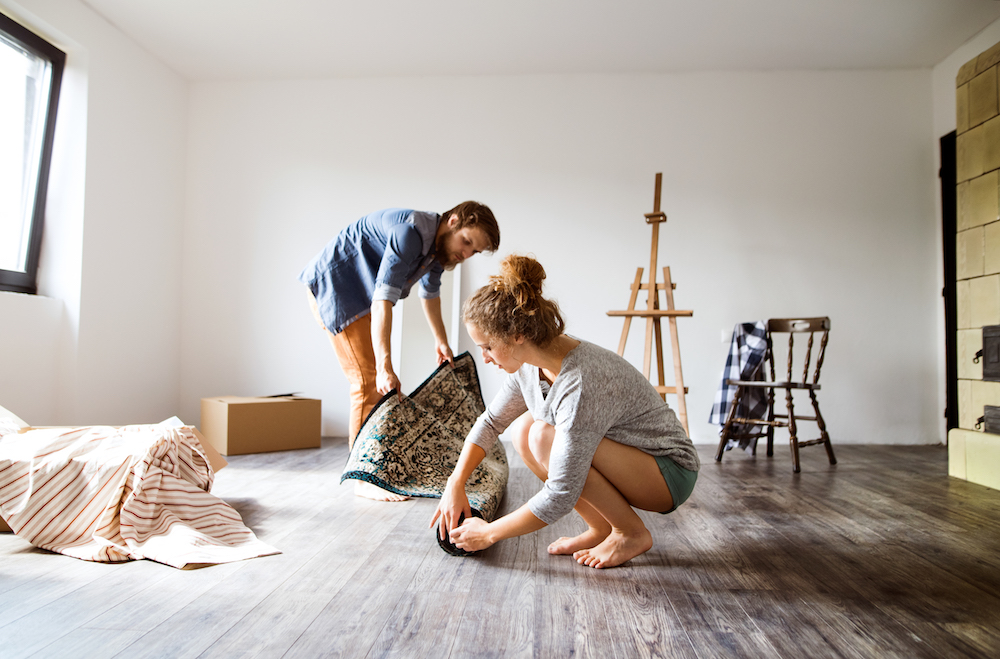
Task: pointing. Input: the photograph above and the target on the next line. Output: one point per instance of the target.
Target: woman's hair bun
(520, 277)
(511, 305)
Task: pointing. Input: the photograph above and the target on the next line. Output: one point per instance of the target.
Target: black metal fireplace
(990, 356)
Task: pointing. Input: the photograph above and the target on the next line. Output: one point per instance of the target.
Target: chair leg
(793, 439)
(770, 418)
(822, 428)
(724, 435)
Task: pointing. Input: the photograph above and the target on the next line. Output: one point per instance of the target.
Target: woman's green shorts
(680, 481)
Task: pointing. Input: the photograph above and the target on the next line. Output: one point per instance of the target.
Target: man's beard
(441, 250)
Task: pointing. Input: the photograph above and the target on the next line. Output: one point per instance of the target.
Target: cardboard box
(235, 425)
(214, 457)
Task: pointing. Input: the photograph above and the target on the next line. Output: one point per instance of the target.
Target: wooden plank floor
(882, 555)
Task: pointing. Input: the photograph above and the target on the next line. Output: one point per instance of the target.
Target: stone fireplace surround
(974, 455)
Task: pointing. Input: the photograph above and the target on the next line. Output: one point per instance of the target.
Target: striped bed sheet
(109, 494)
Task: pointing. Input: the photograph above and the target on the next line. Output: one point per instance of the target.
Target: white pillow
(10, 423)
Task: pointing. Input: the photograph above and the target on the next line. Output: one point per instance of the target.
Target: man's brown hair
(479, 216)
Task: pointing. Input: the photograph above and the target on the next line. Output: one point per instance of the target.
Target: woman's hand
(472, 535)
(454, 504)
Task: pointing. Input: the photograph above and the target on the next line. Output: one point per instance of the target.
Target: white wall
(822, 177)
(787, 194)
(30, 358)
(103, 345)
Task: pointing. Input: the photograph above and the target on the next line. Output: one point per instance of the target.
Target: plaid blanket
(744, 362)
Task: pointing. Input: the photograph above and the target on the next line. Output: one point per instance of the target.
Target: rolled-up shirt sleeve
(430, 284)
(505, 407)
(569, 465)
(402, 250)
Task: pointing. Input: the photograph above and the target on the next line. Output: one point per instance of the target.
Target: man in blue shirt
(358, 277)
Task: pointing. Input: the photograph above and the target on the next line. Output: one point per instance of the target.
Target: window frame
(12, 280)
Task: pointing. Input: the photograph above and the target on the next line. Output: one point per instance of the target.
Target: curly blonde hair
(512, 305)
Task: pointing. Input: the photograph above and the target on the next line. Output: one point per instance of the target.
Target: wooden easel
(653, 313)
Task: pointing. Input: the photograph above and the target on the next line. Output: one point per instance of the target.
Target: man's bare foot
(586, 540)
(370, 491)
(615, 549)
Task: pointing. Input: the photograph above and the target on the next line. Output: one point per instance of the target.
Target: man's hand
(386, 380)
(444, 354)
(385, 377)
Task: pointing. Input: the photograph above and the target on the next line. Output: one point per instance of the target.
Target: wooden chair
(738, 427)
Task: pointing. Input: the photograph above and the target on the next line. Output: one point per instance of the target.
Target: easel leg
(658, 331)
(676, 346)
(631, 307)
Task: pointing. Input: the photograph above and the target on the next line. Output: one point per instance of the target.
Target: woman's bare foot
(370, 491)
(586, 540)
(615, 549)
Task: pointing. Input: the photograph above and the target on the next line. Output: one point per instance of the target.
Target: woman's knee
(540, 436)
(519, 431)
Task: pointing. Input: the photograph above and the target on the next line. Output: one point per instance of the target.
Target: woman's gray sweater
(597, 394)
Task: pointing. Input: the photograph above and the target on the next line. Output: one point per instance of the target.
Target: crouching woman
(584, 420)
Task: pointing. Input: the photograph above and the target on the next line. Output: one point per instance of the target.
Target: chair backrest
(793, 326)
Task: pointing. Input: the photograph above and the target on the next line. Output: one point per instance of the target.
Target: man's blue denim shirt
(379, 257)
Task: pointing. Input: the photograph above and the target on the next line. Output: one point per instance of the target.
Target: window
(30, 72)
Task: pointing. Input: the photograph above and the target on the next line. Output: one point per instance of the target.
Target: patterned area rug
(410, 445)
